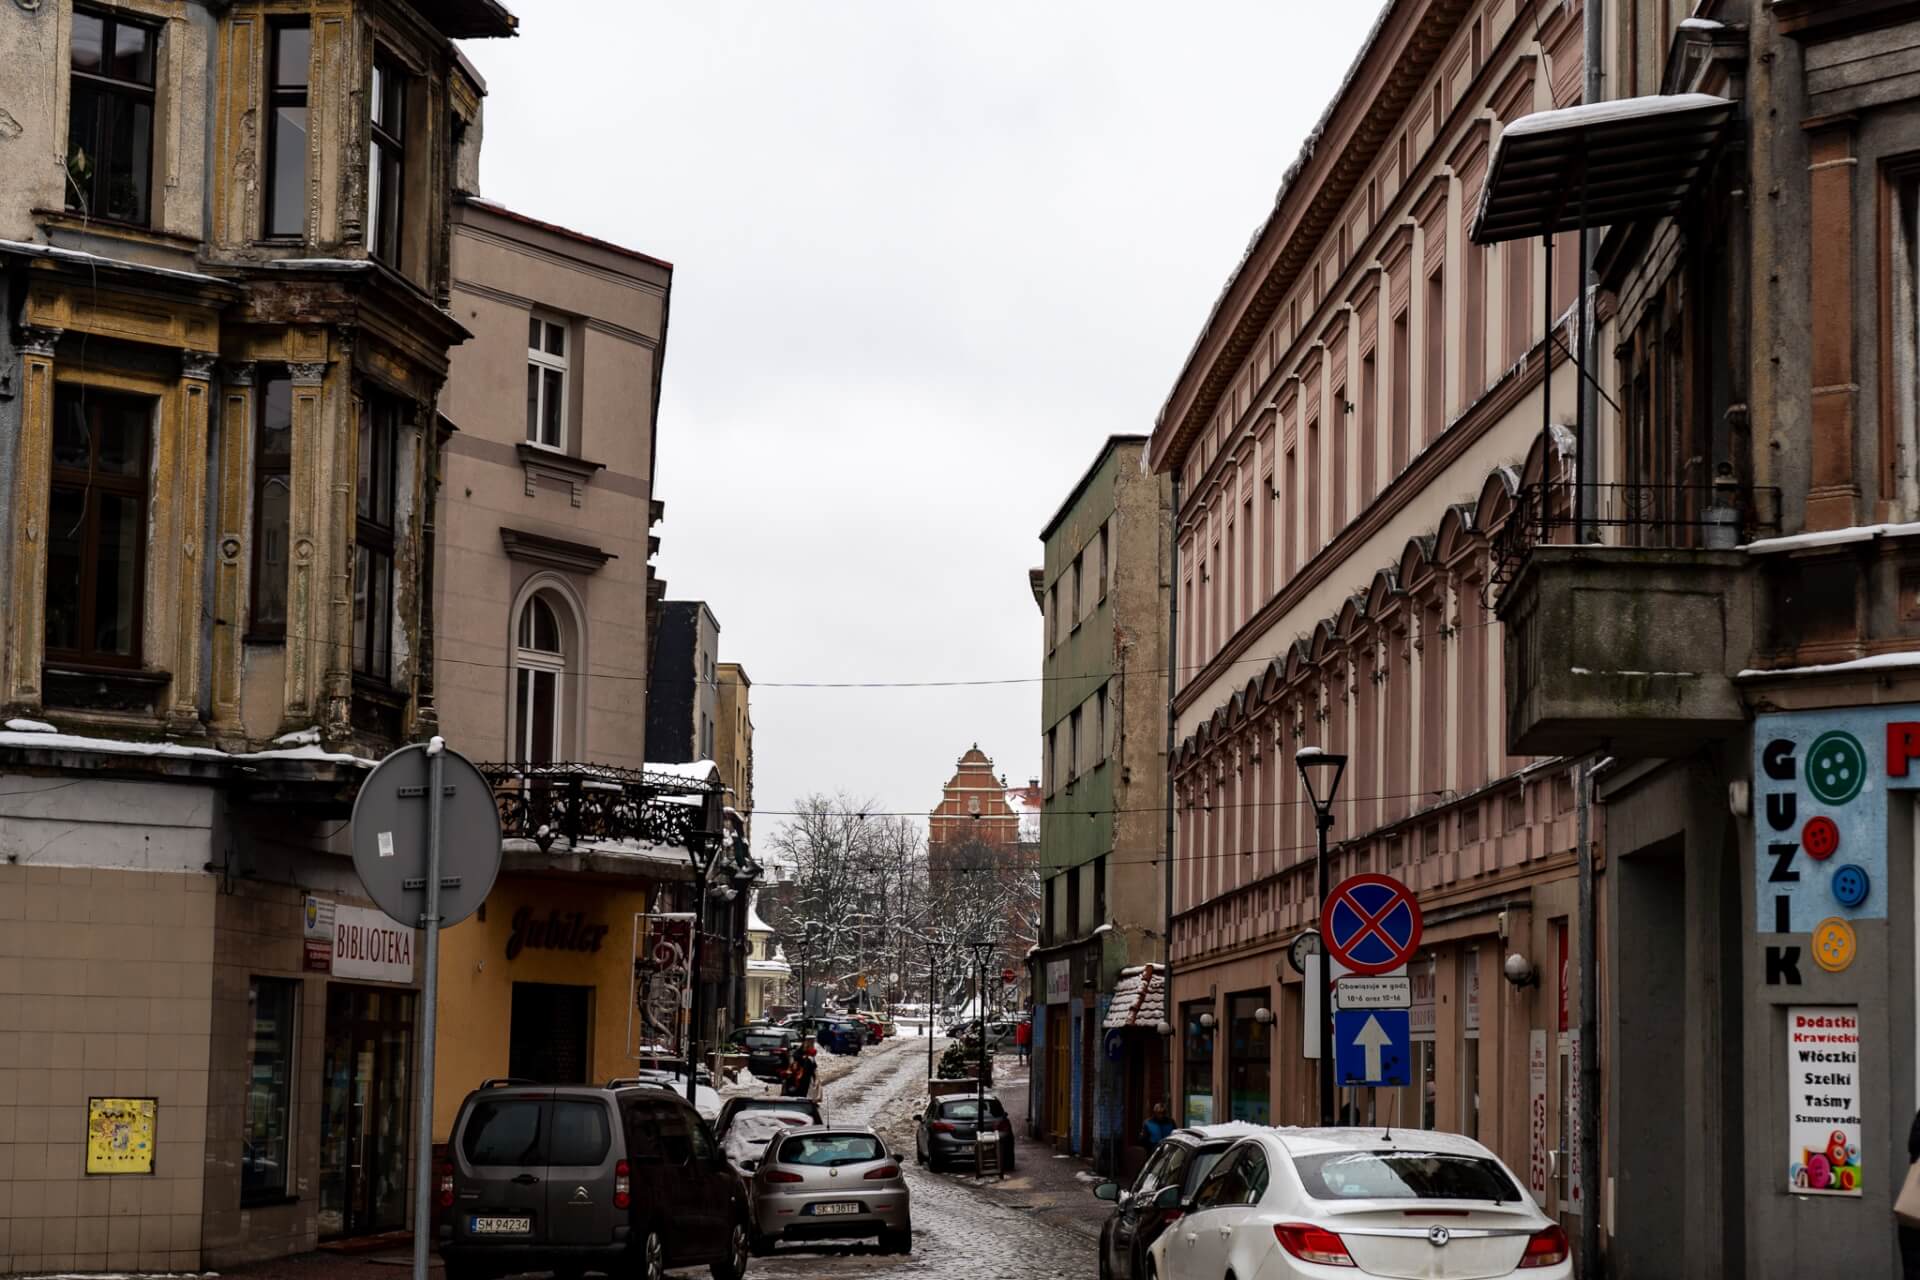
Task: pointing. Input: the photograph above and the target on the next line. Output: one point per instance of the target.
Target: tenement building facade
(1733, 642)
(1347, 440)
(223, 267)
(1102, 592)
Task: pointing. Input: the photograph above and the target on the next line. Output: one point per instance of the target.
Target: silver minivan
(570, 1179)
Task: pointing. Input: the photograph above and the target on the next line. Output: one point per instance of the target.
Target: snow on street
(958, 1233)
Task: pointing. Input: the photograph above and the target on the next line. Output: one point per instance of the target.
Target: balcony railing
(577, 803)
(1652, 516)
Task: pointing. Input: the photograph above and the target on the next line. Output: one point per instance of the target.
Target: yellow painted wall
(476, 982)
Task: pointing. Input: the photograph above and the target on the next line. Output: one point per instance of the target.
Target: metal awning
(1604, 162)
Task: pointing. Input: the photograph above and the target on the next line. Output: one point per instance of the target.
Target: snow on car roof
(1229, 1129)
(1306, 1142)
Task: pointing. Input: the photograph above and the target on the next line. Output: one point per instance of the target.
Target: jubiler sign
(367, 944)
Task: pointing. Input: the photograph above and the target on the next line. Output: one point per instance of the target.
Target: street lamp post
(983, 949)
(1320, 773)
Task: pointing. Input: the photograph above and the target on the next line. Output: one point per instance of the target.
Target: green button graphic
(1836, 767)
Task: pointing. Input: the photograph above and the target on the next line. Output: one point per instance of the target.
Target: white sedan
(1339, 1204)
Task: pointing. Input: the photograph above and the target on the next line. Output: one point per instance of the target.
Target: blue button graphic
(1851, 885)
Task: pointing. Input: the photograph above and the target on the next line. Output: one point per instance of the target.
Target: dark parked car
(841, 1035)
(1158, 1196)
(946, 1128)
(766, 1049)
(734, 1106)
(570, 1178)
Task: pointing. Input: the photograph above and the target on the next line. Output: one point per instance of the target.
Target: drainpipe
(1593, 90)
(1166, 860)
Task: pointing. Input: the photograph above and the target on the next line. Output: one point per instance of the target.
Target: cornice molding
(1423, 471)
(553, 553)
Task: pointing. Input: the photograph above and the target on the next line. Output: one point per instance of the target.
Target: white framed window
(540, 661)
(546, 382)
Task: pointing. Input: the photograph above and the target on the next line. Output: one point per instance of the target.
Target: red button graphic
(1820, 838)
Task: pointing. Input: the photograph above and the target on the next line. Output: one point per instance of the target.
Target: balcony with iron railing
(1628, 609)
(566, 807)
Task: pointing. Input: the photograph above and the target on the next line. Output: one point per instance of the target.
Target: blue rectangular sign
(1372, 1047)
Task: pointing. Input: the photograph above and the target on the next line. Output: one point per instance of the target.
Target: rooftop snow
(1649, 107)
(32, 250)
(1876, 662)
(1830, 538)
(43, 737)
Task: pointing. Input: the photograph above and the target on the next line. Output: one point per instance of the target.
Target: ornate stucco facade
(224, 278)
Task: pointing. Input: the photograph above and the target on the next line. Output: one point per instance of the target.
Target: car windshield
(1403, 1175)
(765, 1040)
(969, 1109)
(1202, 1164)
(804, 1106)
(830, 1150)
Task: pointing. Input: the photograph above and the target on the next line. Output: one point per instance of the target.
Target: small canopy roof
(1602, 162)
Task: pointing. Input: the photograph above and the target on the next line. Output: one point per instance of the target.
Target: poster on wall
(1537, 1116)
(1823, 1100)
(1576, 1186)
(120, 1134)
(1059, 981)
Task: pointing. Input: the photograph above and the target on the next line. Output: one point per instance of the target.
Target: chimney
(1033, 784)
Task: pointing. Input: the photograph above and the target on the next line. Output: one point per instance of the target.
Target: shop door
(364, 1113)
(1059, 1072)
(548, 1036)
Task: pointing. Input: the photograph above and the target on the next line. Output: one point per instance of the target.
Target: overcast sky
(927, 256)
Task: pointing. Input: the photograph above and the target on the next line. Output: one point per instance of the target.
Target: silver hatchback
(830, 1182)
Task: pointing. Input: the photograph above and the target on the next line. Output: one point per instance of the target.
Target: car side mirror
(749, 1165)
(899, 1157)
(1107, 1191)
(1168, 1198)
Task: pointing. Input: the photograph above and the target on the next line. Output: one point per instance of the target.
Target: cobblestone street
(959, 1233)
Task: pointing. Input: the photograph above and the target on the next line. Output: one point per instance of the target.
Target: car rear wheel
(735, 1266)
(761, 1246)
(653, 1256)
(897, 1241)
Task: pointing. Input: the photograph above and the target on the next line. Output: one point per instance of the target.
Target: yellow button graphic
(1833, 944)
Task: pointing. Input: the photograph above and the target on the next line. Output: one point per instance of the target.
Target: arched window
(540, 661)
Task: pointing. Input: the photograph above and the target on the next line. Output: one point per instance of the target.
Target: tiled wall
(259, 935)
(105, 991)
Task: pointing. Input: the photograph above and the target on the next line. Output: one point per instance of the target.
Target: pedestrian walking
(1909, 1235)
(1023, 1038)
(809, 1069)
(1156, 1128)
(790, 1081)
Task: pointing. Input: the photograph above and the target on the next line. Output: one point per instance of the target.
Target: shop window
(272, 508)
(1196, 1073)
(97, 525)
(287, 74)
(373, 540)
(110, 117)
(266, 1150)
(1249, 1059)
(539, 659)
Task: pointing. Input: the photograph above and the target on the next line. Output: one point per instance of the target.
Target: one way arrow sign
(1371, 1047)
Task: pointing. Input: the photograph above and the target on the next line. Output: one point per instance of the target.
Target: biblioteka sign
(368, 944)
